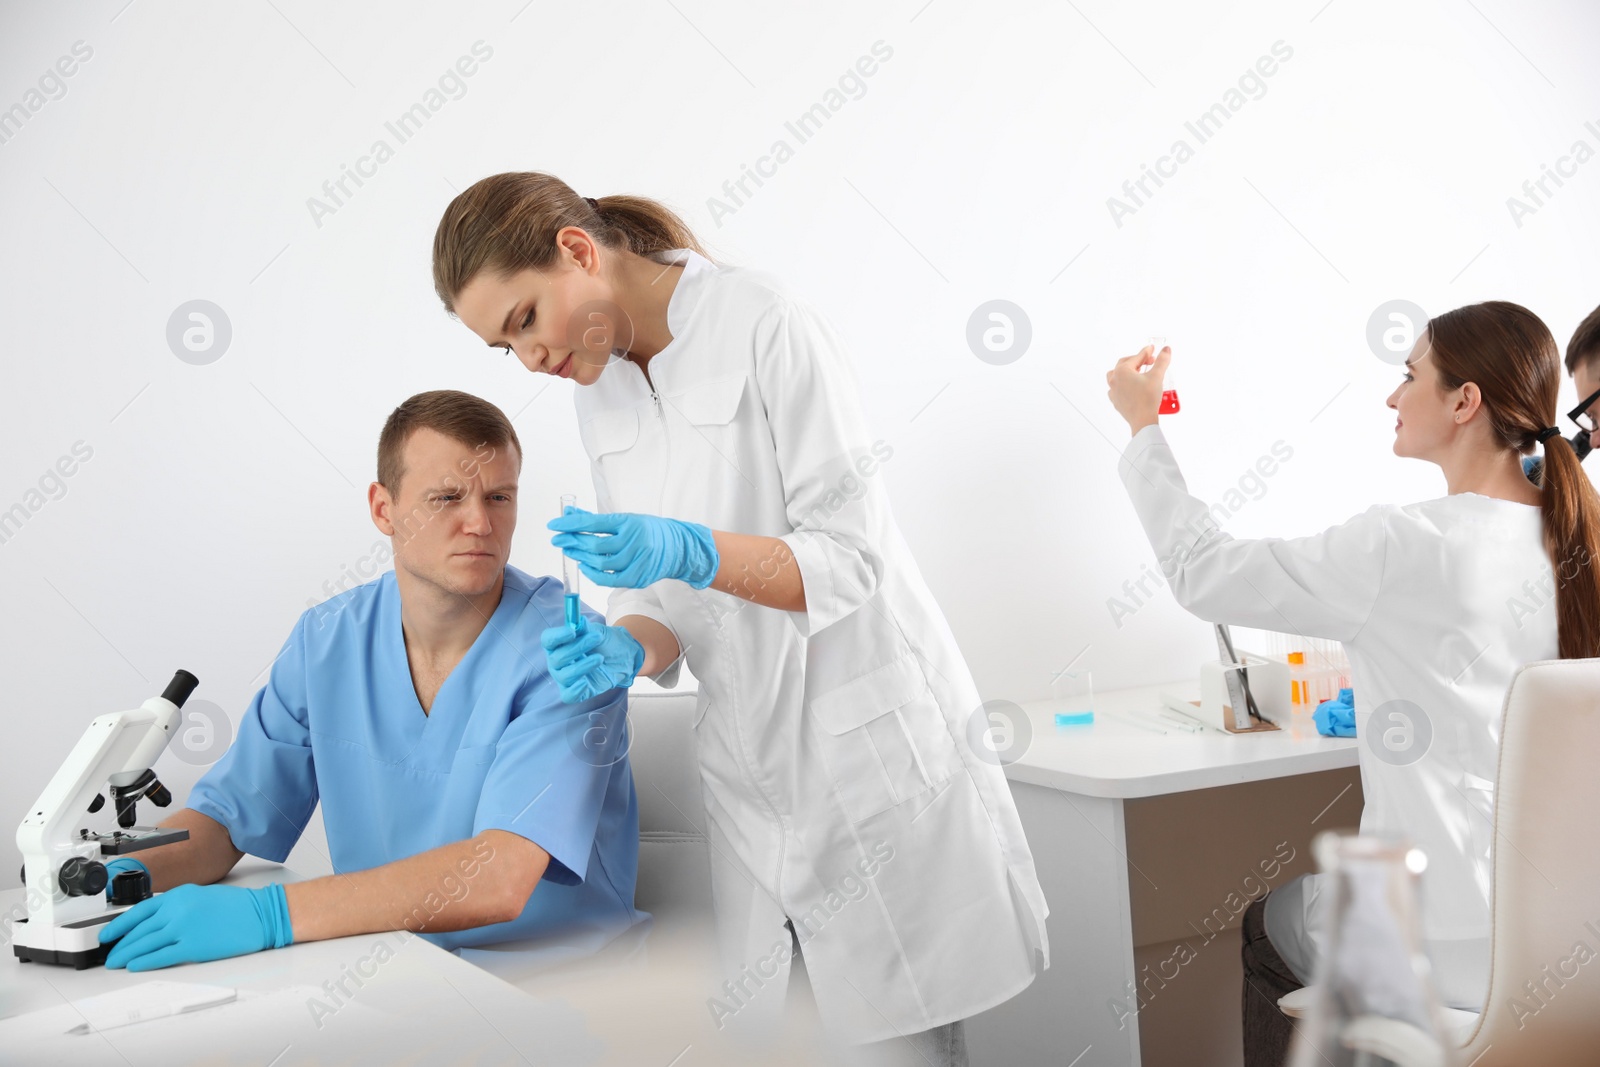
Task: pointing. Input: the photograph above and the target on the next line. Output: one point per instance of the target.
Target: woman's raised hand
(1136, 392)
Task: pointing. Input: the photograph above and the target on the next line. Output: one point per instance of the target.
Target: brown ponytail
(1515, 362)
(508, 222)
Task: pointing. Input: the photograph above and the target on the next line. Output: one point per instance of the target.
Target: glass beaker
(1373, 1001)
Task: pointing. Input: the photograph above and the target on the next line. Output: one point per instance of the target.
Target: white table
(1139, 838)
(1093, 799)
(419, 1005)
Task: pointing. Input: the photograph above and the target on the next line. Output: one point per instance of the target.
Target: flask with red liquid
(1169, 391)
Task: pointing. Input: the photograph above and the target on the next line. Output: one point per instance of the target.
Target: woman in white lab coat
(1437, 603)
(753, 538)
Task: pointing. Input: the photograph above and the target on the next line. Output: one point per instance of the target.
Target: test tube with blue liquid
(569, 572)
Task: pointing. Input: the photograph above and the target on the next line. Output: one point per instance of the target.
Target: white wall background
(177, 161)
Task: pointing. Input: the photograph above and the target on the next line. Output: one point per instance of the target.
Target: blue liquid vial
(569, 573)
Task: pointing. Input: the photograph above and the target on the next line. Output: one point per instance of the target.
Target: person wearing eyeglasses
(1583, 363)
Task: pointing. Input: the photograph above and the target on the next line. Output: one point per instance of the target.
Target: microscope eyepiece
(180, 687)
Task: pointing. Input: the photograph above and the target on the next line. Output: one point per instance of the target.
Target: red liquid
(1169, 402)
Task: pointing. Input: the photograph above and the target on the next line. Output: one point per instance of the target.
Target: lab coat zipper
(650, 385)
(661, 420)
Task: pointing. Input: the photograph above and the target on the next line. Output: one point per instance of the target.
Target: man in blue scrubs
(462, 799)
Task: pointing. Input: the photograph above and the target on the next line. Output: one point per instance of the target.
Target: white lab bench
(1137, 836)
(1146, 843)
(412, 1004)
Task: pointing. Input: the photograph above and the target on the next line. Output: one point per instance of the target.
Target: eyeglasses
(1583, 416)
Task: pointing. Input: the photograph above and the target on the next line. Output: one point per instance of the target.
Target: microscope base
(76, 945)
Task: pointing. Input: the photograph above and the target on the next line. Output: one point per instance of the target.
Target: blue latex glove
(591, 660)
(1337, 717)
(628, 551)
(116, 866)
(195, 923)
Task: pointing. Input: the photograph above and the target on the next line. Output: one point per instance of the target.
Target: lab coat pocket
(609, 438)
(710, 409)
(883, 737)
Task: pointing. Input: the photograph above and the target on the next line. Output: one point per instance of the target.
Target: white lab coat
(840, 786)
(1437, 603)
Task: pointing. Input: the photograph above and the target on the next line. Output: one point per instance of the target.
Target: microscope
(62, 868)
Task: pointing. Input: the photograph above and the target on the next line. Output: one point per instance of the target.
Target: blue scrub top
(339, 720)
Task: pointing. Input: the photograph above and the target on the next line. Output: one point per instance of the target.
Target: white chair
(674, 859)
(1546, 889)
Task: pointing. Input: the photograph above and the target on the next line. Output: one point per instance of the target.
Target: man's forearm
(207, 856)
(483, 880)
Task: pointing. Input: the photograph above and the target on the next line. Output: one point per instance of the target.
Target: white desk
(1092, 799)
(1136, 842)
(421, 1005)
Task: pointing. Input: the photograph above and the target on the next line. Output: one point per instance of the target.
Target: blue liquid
(572, 611)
